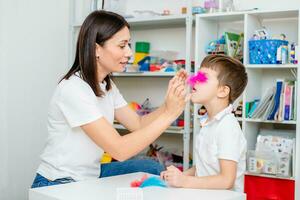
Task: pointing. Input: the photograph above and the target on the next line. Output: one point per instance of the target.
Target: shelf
(171, 129)
(223, 16)
(152, 22)
(239, 15)
(270, 121)
(147, 74)
(269, 176)
(157, 21)
(285, 66)
(275, 14)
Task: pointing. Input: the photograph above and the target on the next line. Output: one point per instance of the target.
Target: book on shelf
(263, 104)
(278, 103)
(276, 100)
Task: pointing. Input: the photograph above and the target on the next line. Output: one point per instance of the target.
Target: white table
(106, 189)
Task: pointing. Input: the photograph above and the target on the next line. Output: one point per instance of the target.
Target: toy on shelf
(181, 64)
(216, 46)
(293, 53)
(183, 10)
(202, 111)
(166, 12)
(146, 181)
(211, 5)
(226, 5)
(260, 34)
(230, 44)
(234, 45)
(198, 10)
(145, 13)
(141, 51)
(238, 112)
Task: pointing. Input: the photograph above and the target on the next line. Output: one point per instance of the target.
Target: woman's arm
(132, 121)
(124, 147)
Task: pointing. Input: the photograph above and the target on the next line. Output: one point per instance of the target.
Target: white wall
(34, 36)
(3, 135)
(34, 53)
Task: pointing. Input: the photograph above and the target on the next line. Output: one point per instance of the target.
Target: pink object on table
(137, 183)
(200, 77)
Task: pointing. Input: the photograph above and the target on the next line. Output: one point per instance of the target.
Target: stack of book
(278, 103)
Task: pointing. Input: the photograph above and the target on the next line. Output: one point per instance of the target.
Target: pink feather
(200, 77)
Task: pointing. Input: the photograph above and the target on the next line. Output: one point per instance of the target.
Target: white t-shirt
(221, 138)
(69, 151)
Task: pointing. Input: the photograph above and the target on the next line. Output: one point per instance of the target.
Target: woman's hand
(173, 176)
(177, 97)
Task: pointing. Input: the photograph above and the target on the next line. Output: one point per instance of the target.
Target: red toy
(138, 183)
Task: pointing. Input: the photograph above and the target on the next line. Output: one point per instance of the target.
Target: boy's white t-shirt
(221, 138)
(69, 151)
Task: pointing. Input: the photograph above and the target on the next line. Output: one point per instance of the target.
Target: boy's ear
(223, 91)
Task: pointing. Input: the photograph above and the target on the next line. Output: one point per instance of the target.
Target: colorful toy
(148, 182)
(198, 78)
(134, 106)
(106, 158)
(137, 183)
(153, 181)
(141, 50)
(216, 46)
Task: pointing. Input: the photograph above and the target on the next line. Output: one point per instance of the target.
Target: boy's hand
(173, 176)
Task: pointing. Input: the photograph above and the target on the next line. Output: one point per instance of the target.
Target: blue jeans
(109, 169)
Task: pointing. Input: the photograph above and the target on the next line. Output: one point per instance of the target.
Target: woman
(85, 103)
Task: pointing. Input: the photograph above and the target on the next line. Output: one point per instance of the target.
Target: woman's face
(115, 53)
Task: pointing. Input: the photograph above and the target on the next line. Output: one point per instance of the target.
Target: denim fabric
(131, 166)
(41, 181)
(109, 169)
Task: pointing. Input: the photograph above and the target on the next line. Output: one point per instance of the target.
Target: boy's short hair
(231, 73)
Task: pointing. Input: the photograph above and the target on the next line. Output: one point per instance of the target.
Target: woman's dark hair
(98, 27)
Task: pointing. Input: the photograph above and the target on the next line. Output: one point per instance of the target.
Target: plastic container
(264, 51)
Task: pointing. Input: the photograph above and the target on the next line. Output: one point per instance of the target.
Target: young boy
(220, 147)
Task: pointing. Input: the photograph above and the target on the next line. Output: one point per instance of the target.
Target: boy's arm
(190, 172)
(224, 180)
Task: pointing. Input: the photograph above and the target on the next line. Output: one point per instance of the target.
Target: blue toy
(153, 181)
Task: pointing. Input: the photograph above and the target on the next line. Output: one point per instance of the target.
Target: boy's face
(205, 92)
